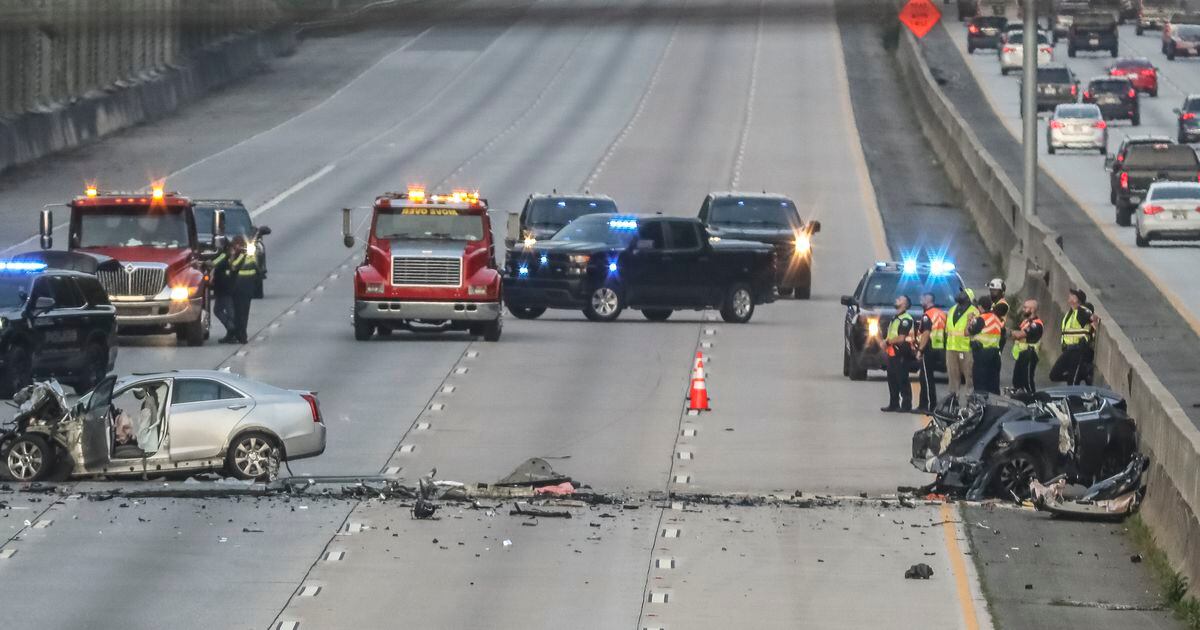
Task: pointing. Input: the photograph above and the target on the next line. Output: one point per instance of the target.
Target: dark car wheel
(363, 329)
(527, 312)
(191, 333)
(803, 293)
(1013, 473)
(249, 456)
(30, 457)
(604, 303)
(657, 314)
(490, 331)
(1171, 53)
(1124, 215)
(1141, 241)
(851, 368)
(1137, 119)
(17, 371)
(738, 306)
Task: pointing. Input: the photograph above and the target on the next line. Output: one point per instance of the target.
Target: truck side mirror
(848, 300)
(43, 303)
(814, 227)
(46, 228)
(512, 229)
(219, 241)
(264, 230)
(347, 230)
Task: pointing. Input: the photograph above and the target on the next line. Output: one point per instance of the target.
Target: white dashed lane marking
(309, 591)
(392, 470)
(422, 426)
(664, 563)
(448, 389)
(684, 455)
(437, 406)
(7, 553)
(461, 370)
(407, 448)
(658, 597)
(287, 625)
(683, 478)
(334, 556)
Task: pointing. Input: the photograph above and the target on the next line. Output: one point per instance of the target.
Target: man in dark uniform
(222, 283)
(1026, 345)
(243, 269)
(931, 348)
(1074, 365)
(899, 353)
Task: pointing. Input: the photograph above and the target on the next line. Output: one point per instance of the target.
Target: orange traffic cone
(698, 393)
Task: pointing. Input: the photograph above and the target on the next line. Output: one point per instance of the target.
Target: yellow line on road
(958, 566)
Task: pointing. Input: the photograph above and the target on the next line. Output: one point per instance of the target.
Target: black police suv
(870, 309)
(1116, 97)
(985, 32)
(1056, 85)
(770, 219)
(1095, 30)
(544, 214)
(238, 222)
(604, 263)
(53, 323)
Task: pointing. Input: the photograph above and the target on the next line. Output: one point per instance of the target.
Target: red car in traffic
(1139, 71)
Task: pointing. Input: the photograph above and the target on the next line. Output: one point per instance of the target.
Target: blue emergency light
(623, 223)
(544, 259)
(27, 266)
(612, 267)
(910, 266)
(523, 270)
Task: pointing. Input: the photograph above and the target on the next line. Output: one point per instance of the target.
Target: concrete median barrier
(1034, 257)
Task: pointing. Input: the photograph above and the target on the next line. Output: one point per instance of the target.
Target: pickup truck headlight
(873, 327)
(477, 290)
(375, 288)
(803, 244)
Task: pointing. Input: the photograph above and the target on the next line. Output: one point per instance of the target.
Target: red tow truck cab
(161, 285)
(429, 266)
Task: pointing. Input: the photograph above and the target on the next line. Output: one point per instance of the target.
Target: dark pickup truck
(602, 264)
(770, 219)
(1093, 31)
(1145, 164)
(545, 214)
(1056, 85)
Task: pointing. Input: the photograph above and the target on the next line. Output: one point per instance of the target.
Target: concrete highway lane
(655, 113)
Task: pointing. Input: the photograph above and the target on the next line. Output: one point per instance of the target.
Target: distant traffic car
(1146, 164)
(1012, 53)
(985, 32)
(1189, 119)
(237, 223)
(771, 219)
(870, 309)
(1183, 41)
(1114, 163)
(53, 323)
(1177, 19)
(602, 264)
(1056, 85)
(170, 422)
(1139, 70)
(1170, 211)
(1077, 127)
(1155, 14)
(1092, 31)
(1116, 97)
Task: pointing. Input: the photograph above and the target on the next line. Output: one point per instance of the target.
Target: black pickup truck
(1145, 164)
(603, 263)
(771, 219)
(1093, 31)
(545, 214)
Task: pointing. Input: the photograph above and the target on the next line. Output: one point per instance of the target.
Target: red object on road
(698, 392)
(920, 16)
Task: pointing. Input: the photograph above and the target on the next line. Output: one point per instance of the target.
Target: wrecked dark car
(995, 446)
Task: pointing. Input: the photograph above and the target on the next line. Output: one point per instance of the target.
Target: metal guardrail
(1028, 246)
(55, 51)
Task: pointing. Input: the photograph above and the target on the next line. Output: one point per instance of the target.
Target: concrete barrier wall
(1168, 436)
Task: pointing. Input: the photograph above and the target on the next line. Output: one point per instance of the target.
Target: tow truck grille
(137, 282)
(426, 271)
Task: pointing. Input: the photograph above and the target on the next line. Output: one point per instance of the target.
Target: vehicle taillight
(1056, 124)
(1187, 116)
(1075, 90)
(1086, 95)
(1152, 210)
(972, 29)
(1100, 124)
(1124, 181)
(1009, 49)
(1046, 49)
(1132, 93)
(1147, 71)
(311, 399)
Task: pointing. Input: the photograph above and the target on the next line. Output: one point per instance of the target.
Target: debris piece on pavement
(1113, 498)
(919, 571)
(520, 508)
(561, 489)
(535, 472)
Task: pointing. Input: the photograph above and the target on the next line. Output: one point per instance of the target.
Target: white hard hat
(996, 284)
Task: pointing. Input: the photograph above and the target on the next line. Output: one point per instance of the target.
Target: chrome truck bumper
(395, 310)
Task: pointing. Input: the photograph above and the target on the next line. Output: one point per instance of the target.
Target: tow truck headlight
(3, 323)
(803, 243)
(375, 287)
(182, 294)
(873, 327)
(477, 290)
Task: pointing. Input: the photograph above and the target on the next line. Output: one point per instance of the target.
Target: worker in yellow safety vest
(1074, 365)
(959, 363)
(243, 269)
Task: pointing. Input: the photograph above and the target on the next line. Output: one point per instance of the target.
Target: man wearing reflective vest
(899, 342)
(959, 364)
(996, 289)
(985, 331)
(243, 269)
(1078, 324)
(931, 347)
(1026, 345)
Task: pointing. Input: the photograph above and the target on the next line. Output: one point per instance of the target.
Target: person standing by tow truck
(959, 362)
(243, 270)
(1027, 340)
(996, 289)
(986, 333)
(899, 344)
(931, 345)
(222, 284)
(1074, 365)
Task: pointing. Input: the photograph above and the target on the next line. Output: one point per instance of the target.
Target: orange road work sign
(920, 16)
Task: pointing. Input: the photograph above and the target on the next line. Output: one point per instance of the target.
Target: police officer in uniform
(986, 331)
(222, 283)
(243, 269)
(899, 351)
(931, 349)
(959, 362)
(1074, 365)
(1026, 345)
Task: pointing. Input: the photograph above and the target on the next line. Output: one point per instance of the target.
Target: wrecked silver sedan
(993, 445)
(157, 424)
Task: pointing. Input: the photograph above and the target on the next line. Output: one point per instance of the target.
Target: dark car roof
(569, 196)
(727, 194)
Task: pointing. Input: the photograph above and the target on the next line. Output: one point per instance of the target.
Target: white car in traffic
(1171, 211)
(1012, 52)
(1077, 126)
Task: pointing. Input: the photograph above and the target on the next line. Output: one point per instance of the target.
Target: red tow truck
(161, 284)
(430, 266)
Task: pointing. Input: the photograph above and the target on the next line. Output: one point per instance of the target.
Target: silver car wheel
(25, 460)
(605, 301)
(252, 456)
(742, 302)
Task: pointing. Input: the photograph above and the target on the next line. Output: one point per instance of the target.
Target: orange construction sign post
(920, 16)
